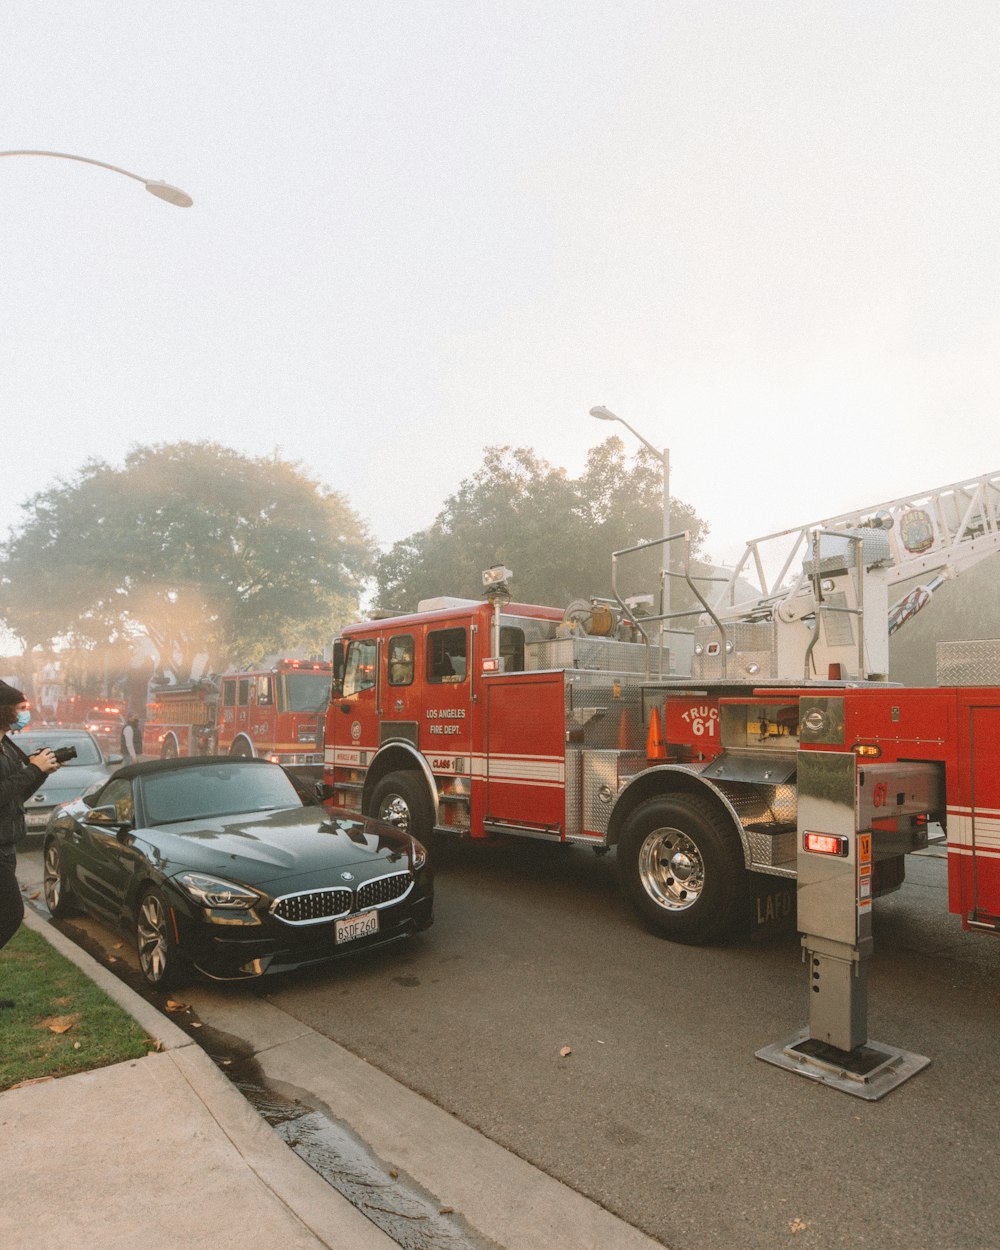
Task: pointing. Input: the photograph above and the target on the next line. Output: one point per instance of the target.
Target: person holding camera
(20, 777)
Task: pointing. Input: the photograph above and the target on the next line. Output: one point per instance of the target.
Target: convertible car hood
(266, 847)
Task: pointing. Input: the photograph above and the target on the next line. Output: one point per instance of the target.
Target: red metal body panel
(522, 778)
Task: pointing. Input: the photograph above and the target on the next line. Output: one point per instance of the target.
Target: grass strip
(61, 1022)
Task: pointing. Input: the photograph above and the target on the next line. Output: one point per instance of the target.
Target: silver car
(70, 781)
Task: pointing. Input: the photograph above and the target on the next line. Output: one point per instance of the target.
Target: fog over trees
(197, 547)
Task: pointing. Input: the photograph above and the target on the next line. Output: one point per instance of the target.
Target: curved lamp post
(162, 190)
(605, 414)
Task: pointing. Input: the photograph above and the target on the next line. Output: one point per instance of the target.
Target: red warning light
(825, 844)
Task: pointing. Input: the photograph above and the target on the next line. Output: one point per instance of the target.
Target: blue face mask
(23, 719)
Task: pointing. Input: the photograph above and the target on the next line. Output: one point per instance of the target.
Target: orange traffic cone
(656, 748)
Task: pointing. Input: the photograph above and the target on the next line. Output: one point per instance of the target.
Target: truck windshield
(306, 692)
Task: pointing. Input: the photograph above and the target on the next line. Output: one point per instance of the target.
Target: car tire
(681, 866)
(160, 960)
(58, 895)
(401, 799)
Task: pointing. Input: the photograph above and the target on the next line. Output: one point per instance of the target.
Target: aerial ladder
(833, 617)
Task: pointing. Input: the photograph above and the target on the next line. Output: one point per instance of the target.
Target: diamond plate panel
(974, 662)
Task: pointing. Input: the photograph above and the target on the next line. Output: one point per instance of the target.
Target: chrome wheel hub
(395, 811)
(671, 869)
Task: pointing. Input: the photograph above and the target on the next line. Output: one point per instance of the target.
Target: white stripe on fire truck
(540, 769)
(984, 832)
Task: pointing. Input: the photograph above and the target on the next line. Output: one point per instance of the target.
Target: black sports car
(219, 864)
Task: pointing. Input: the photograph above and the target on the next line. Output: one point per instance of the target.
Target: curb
(322, 1210)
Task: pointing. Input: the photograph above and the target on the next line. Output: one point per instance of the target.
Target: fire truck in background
(274, 713)
(101, 716)
(731, 765)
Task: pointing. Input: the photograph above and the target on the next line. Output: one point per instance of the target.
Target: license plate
(364, 924)
(35, 820)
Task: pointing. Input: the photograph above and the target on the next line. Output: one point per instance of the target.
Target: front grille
(383, 890)
(313, 906)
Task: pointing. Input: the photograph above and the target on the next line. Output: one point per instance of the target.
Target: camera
(63, 754)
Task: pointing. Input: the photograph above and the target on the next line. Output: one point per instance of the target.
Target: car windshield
(87, 752)
(223, 789)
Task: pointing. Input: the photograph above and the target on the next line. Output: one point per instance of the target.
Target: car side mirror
(324, 791)
(107, 818)
(115, 759)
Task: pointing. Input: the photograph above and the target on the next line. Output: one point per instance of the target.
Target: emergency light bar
(825, 844)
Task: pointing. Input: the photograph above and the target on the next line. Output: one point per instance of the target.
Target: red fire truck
(102, 716)
(498, 718)
(275, 713)
(698, 754)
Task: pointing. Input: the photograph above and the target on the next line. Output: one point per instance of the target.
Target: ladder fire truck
(275, 713)
(757, 756)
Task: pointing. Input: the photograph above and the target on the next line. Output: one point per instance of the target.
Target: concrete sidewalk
(158, 1152)
(164, 1150)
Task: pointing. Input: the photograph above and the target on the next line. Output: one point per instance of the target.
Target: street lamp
(162, 190)
(605, 414)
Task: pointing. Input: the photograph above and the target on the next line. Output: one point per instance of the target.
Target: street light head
(603, 414)
(173, 195)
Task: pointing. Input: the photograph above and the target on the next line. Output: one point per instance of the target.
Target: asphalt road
(661, 1112)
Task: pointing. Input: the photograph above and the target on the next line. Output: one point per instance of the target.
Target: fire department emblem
(916, 530)
(356, 730)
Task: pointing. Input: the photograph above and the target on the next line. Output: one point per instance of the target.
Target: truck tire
(681, 866)
(401, 799)
(242, 749)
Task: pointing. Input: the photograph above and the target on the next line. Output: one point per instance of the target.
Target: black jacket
(18, 781)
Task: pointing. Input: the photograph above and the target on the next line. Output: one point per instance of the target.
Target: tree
(192, 544)
(556, 533)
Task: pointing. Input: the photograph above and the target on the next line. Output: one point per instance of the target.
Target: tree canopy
(192, 544)
(555, 533)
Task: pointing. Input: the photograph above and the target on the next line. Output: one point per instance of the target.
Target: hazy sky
(764, 232)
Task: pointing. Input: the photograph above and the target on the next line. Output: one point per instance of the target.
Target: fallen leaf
(566, 1050)
(37, 894)
(446, 1211)
(76, 1045)
(196, 1024)
(60, 1024)
(173, 1005)
(118, 946)
(36, 1080)
(393, 1173)
(797, 1225)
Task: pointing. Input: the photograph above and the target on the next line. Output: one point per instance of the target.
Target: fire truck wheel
(400, 799)
(169, 748)
(681, 866)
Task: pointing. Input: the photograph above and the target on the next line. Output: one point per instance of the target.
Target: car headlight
(418, 854)
(216, 892)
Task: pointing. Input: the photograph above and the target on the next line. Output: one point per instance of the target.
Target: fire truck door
(525, 753)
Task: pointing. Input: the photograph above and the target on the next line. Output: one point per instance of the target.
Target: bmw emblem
(347, 876)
